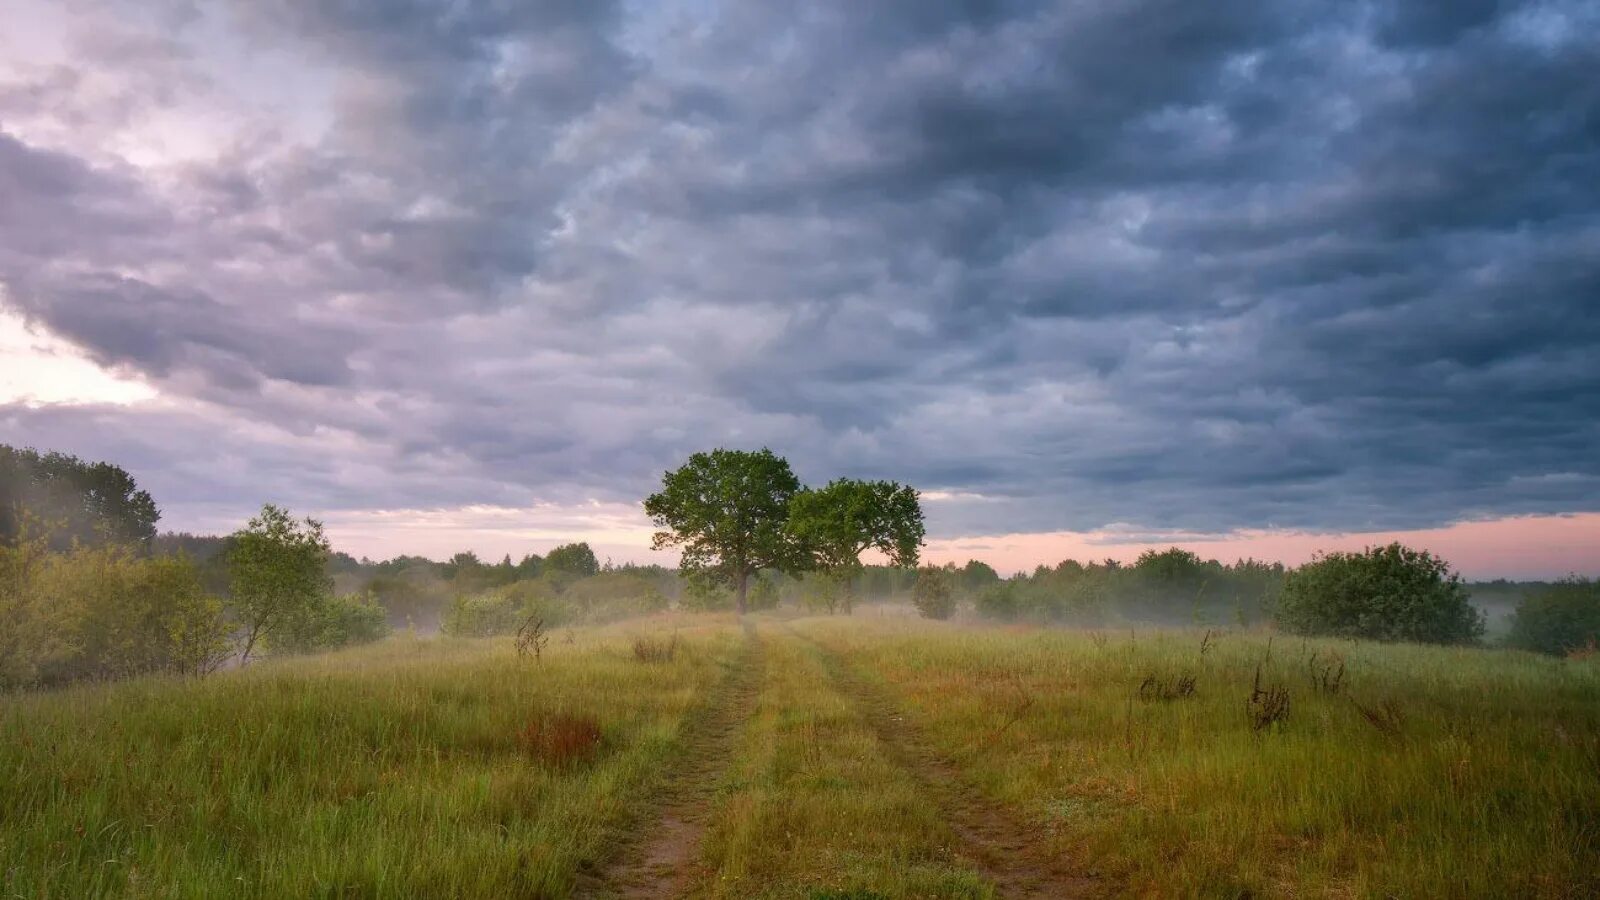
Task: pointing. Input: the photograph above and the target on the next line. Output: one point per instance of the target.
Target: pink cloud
(1525, 547)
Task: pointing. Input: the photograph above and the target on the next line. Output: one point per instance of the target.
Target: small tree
(1558, 619)
(837, 523)
(934, 593)
(277, 568)
(1391, 593)
(728, 510)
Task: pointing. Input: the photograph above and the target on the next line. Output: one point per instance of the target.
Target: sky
(1255, 279)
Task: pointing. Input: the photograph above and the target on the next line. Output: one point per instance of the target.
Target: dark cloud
(1185, 267)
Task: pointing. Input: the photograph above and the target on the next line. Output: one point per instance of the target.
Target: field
(861, 757)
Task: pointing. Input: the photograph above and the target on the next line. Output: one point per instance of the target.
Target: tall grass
(410, 768)
(1487, 783)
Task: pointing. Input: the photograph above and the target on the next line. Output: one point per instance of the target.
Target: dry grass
(655, 650)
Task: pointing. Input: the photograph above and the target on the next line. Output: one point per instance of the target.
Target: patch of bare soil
(1014, 855)
(661, 860)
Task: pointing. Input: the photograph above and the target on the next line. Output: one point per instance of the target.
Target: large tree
(729, 511)
(835, 524)
(278, 570)
(74, 501)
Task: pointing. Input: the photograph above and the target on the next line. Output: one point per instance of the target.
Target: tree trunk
(744, 590)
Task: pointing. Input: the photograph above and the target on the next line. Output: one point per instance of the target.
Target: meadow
(855, 757)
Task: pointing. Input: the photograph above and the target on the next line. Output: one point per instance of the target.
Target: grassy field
(817, 758)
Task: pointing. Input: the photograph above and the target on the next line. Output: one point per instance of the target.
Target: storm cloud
(1174, 266)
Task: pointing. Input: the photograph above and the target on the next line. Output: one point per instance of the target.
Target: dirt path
(1014, 855)
(661, 860)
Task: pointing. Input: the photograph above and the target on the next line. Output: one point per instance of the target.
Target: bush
(482, 615)
(614, 595)
(934, 593)
(503, 610)
(332, 622)
(103, 612)
(1391, 593)
(1562, 618)
(998, 601)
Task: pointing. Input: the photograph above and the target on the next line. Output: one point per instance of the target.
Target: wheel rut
(1010, 852)
(660, 860)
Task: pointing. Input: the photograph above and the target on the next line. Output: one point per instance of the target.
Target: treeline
(1170, 586)
(89, 590)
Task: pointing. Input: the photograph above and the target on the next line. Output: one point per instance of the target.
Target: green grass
(387, 771)
(397, 770)
(1490, 788)
(812, 806)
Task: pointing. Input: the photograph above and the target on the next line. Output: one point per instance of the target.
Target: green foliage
(729, 511)
(1561, 618)
(1391, 593)
(1172, 586)
(277, 569)
(998, 601)
(614, 595)
(80, 502)
(934, 594)
(333, 621)
(102, 612)
(704, 594)
(483, 615)
(573, 559)
(976, 575)
(763, 594)
(835, 524)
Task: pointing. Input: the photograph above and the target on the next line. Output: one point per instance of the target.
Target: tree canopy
(835, 524)
(278, 571)
(574, 559)
(75, 501)
(729, 511)
(1390, 593)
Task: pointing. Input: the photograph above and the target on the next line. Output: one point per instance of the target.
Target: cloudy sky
(1252, 276)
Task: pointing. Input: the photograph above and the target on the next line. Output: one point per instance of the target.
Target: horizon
(472, 278)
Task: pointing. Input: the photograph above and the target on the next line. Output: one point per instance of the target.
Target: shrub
(1562, 618)
(934, 593)
(998, 601)
(482, 615)
(613, 595)
(103, 612)
(1391, 593)
(332, 622)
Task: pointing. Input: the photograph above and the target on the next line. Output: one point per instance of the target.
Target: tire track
(1008, 851)
(660, 861)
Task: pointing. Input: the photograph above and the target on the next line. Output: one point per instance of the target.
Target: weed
(1153, 688)
(1020, 709)
(1327, 677)
(561, 740)
(1268, 706)
(1206, 643)
(1385, 716)
(531, 638)
(655, 650)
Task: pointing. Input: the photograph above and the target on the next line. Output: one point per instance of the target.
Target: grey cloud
(1187, 268)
